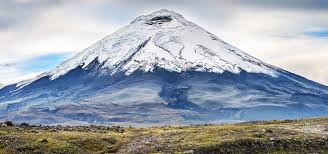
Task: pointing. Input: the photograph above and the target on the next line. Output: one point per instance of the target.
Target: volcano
(162, 69)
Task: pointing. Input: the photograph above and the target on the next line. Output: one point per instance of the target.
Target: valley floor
(288, 136)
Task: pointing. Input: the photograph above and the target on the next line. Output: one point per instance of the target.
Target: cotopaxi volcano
(162, 69)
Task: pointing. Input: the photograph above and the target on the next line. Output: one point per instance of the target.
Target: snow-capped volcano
(162, 69)
(164, 39)
(167, 40)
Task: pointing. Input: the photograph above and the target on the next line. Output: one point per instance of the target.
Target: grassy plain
(288, 136)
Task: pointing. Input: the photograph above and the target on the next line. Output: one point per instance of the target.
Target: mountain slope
(162, 69)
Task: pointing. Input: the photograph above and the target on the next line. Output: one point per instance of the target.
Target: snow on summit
(167, 40)
(162, 69)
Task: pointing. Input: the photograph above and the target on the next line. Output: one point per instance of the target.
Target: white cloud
(10, 75)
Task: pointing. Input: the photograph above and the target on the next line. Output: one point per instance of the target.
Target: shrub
(24, 124)
(8, 123)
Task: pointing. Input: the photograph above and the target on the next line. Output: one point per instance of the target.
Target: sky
(37, 35)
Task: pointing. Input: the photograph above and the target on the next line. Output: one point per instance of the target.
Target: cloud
(16, 71)
(287, 4)
(15, 12)
(287, 33)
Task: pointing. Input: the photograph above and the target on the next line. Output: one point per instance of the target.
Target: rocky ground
(289, 136)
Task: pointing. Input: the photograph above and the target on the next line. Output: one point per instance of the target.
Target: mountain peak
(163, 39)
(159, 17)
(164, 12)
(162, 69)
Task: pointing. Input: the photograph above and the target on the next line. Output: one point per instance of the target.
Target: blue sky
(36, 35)
(42, 63)
(318, 33)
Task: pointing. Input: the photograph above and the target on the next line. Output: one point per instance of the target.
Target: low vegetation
(289, 136)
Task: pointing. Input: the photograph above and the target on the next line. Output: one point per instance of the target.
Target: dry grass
(251, 137)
